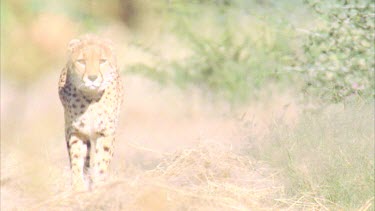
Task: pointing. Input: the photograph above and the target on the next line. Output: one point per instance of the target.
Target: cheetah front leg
(78, 153)
(102, 157)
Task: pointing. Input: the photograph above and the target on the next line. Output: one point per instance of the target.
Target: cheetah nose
(92, 77)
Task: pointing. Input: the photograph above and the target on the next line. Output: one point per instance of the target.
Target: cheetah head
(91, 64)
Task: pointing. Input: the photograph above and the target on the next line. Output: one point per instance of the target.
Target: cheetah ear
(73, 44)
(109, 44)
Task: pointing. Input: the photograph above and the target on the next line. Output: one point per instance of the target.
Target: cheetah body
(91, 93)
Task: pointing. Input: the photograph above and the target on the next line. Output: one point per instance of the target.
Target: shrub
(232, 53)
(339, 56)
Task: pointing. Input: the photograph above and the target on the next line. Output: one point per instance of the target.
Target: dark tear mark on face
(74, 142)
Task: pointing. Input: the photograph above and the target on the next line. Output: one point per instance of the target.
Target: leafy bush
(231, 52)
(339, 56)
(227, 66)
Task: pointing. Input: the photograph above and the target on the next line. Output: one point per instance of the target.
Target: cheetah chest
(95, 121)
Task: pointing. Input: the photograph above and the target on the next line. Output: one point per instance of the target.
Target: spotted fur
(91, 93)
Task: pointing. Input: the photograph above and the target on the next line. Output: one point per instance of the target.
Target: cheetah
(91, 93)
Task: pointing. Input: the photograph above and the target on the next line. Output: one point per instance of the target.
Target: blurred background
(269, 103)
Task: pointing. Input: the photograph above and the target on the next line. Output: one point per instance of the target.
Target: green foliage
(339, 56)
(229, 66)
(231, 53)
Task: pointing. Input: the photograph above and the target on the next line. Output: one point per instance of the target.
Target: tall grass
(328, 157)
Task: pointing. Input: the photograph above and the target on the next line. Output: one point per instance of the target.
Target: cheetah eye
(81, 61)
(102, 61)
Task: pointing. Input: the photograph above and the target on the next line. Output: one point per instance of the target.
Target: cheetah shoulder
(62, 82)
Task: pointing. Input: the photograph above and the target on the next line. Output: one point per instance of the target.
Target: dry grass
(166, 159)
(173, 152)
(207, 177)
